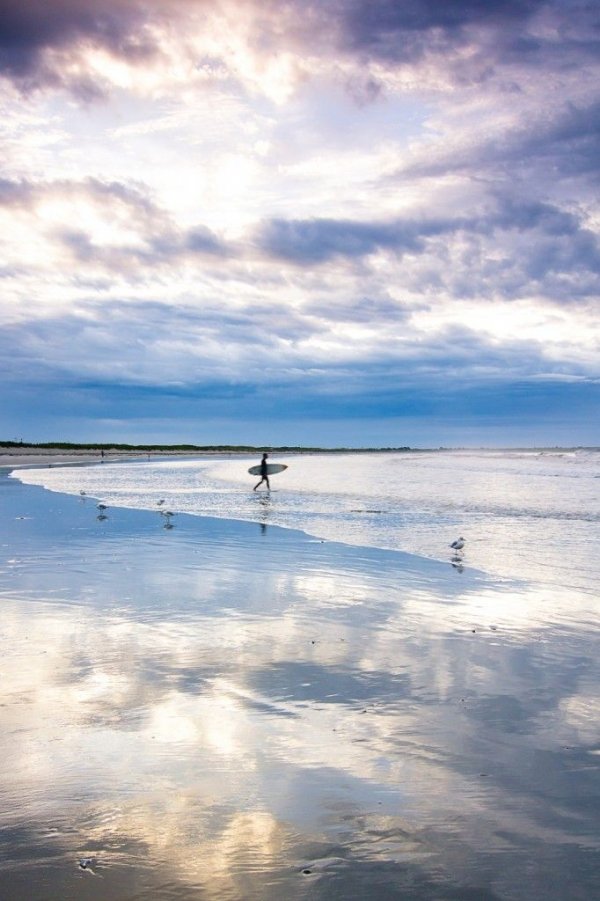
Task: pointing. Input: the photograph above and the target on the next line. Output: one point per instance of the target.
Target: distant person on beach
(264, 476)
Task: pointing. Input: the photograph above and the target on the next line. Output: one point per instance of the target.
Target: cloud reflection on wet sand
(218, 713)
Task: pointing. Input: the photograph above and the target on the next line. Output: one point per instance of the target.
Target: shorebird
(82, 493)
(458, 545)
(101, 506)
(87, 863)
(161, 501)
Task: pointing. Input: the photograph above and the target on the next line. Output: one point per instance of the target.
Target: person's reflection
(265, 503)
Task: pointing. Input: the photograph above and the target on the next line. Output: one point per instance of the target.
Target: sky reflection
(220, 713)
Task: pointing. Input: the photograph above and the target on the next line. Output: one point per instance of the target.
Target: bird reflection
(457, 558)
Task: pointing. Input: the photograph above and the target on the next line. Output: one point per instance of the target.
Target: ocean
(529, 515)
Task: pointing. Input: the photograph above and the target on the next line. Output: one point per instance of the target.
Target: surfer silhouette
(264, 475)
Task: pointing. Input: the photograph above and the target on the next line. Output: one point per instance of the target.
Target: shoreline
(306, 535)
(406, 560)
(30, 456)
(227, 498)
(15, 455)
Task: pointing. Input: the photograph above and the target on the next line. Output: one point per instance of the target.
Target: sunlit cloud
(349, 191)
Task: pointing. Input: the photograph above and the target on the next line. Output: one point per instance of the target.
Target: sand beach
(231, 710)
(16, 455)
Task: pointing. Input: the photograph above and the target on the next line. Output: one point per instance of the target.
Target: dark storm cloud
(570, 142)
(393, 30)
(319, 240)
(560, 140)
(556, 254)
(30, 27)
(386, 31)
(496, 32)
(513, 248)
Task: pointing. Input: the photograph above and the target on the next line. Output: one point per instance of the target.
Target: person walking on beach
(264, 475)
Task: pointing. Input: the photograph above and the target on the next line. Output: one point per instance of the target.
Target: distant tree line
(197, 448)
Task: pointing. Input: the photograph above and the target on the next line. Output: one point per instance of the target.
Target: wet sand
(227, 710)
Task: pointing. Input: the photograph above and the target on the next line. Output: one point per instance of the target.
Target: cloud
(34, 33)
(106, 226)
(48, 44)
(402, 31)
(336, 199)
(14, 193)
(560, 254)
(464, 42)
(562, 141)
(330, 353)
(319, 240)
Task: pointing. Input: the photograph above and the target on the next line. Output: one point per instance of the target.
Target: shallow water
(531, 515)
(229, 711)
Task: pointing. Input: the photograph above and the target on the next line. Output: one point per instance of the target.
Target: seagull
(82, 493)
(458, 545)
(161, 501)
(101, 506)
(87, 863)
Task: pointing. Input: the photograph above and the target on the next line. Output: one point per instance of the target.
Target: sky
(345, 222)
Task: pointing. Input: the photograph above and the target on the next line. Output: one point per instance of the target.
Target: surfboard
(272, 468)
